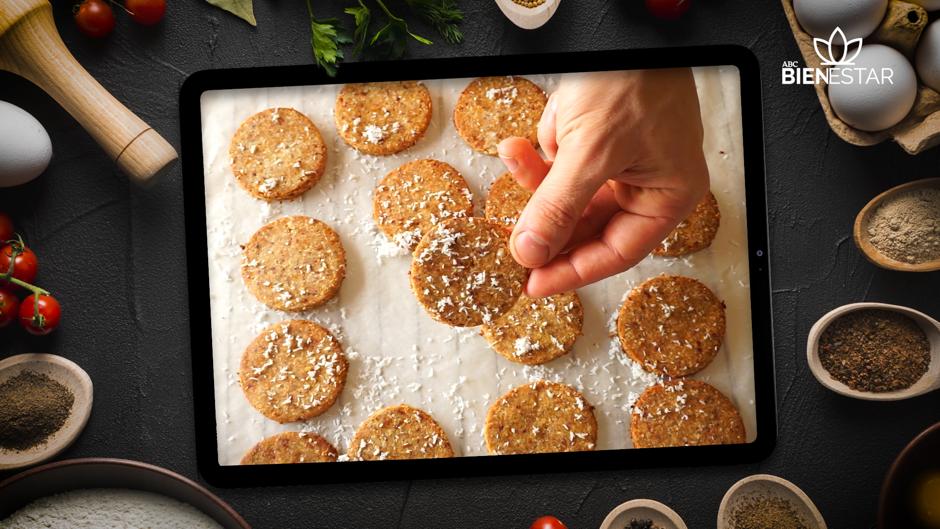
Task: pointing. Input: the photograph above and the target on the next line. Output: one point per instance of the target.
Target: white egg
(876, 92)
(25, 148)
(857, 18)
(929, 5)
(927, 60)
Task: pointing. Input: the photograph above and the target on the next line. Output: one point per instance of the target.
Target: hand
(624, 166)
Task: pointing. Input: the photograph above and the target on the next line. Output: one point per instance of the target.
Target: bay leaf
(243, 9)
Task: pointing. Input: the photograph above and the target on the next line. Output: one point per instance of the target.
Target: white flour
(108, 509)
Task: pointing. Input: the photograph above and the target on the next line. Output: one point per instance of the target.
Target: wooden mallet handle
(31, 47)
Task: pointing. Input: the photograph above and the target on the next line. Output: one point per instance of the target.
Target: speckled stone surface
(114, 254)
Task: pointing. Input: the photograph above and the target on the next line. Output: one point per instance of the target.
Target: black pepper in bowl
(32, 408)
(875, 350)
(641, 524)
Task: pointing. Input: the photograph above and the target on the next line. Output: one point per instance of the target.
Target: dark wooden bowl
(919, 457)
(61, 476)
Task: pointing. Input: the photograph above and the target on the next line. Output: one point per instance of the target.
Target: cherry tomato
(41, 320)
(24, 266)
(6, 228)
(548, 522)
(668, 9)
(95, 18)
(9, 307)
(146, 12)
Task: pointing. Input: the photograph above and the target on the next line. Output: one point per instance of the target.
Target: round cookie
(294, 264)
(695, 233)
(289, 448)
(536, 331)
(382, 118)
(277, 154)
(491, 109)
(540, 417)
(415, 197)
(671, 325)
(293, 371)
(506, 200)
(399, 432)
(463, 274)
(684, 412)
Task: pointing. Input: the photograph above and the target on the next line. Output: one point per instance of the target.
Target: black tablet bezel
(198, 266)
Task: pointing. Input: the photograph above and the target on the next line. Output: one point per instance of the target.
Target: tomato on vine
(9, 307)
(24, 262)
(40, 314)
(668, 9)
(547, 522)
(146, 12)
(95, 18)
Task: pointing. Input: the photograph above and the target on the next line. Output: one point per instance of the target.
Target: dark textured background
(114, 255)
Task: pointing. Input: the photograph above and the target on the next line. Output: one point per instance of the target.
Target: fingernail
(510, 163)
(531, 249)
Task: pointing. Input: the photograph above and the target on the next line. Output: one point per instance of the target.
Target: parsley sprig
(390, 40)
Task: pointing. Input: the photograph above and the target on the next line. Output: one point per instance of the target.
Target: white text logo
(837, 56)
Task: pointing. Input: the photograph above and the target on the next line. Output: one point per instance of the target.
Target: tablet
(318, 355)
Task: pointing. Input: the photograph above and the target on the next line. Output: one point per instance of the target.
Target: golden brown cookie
(684, 412)
(277, 154)
(294, 264)
(671, 325)
(540, 417)
(293, 370)
(463, 274)
(415, 197)
(290, 447)
(491, 109)
(695, 233)
(382, 118)
(506, 200)
(399, 432)
(538, 330)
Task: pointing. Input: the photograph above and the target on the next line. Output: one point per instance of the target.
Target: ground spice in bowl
(32, 408)
(764, 511)
(875, 350)
(529, 3)
(906, 226)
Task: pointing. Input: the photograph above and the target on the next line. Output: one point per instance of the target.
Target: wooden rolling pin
(30, 46)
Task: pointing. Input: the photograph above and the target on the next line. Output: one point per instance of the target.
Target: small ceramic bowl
(899, 505)
(528, 17)
(97, 473)
(643, 509)
(766, 484)
(860, 230)
(64, 372)
(929, 382)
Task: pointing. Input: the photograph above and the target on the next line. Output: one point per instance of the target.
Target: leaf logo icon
(837, 40)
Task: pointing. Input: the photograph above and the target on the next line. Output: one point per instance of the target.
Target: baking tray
(212, 104)
(916, 133)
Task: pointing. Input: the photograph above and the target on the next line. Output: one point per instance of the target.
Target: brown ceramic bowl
(919, 458)
(61, 476)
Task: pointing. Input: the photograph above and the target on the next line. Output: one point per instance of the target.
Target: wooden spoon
(860, 231)
(767, 485)
(528, 17)
(643, 509)
(31, 47)
(927, 383)
(64, 372)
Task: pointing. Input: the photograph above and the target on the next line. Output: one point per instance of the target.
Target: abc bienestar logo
(837, 56)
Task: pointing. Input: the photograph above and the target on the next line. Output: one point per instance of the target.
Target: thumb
(550, 217)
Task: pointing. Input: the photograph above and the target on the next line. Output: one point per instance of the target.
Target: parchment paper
(397, 354)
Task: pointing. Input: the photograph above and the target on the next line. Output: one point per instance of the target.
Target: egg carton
(901, 29)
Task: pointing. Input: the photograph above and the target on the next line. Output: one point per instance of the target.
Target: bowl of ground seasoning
(763, 501)
(875, 351)
(45, 402)
(643, 514)
(900, 228)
